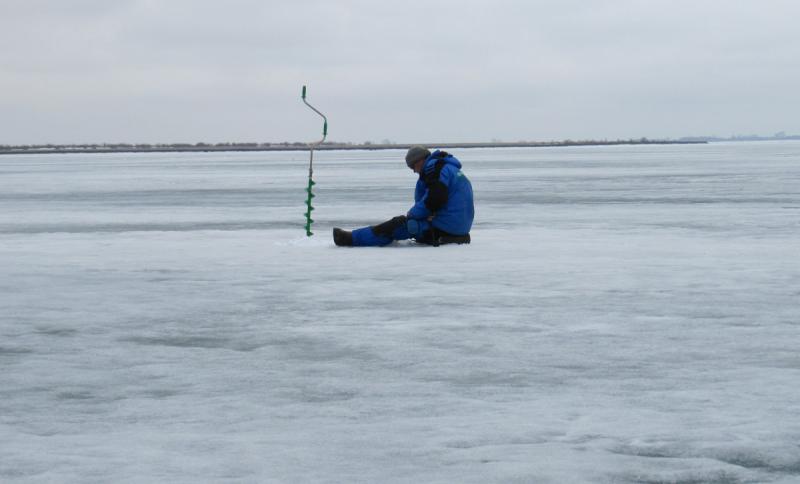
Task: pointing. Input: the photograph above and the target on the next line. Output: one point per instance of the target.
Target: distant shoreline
(222, 147)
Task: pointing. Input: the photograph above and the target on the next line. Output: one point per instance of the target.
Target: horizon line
(302, 146)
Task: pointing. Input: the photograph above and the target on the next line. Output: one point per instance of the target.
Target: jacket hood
(437, 155)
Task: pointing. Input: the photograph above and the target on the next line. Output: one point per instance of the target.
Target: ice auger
(311, 183)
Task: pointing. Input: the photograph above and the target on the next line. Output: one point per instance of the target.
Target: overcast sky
(408, 71)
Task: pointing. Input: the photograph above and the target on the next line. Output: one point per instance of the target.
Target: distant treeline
(294, 146)
(149, 146)
(367, 145)
(744, 137)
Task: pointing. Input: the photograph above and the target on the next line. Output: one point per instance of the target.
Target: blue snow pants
(398, 228)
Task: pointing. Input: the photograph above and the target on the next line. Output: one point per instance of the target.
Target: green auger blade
(309, 208)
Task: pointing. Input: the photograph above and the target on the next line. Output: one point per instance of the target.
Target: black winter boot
(342, 238)
(454, 239)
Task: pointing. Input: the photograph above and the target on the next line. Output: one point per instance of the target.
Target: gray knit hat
(416, 153)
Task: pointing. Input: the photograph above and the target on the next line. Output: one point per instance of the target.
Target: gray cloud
(180, 70)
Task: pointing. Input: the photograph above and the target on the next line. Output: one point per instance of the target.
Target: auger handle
(325, 119)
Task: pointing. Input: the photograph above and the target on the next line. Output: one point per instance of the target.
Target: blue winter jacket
(444, 192)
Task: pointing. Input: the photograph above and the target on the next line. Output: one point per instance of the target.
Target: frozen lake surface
(624, 314)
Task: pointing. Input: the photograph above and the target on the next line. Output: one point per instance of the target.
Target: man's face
(418, 166)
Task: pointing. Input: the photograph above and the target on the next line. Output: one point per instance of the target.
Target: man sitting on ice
(443, 209)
